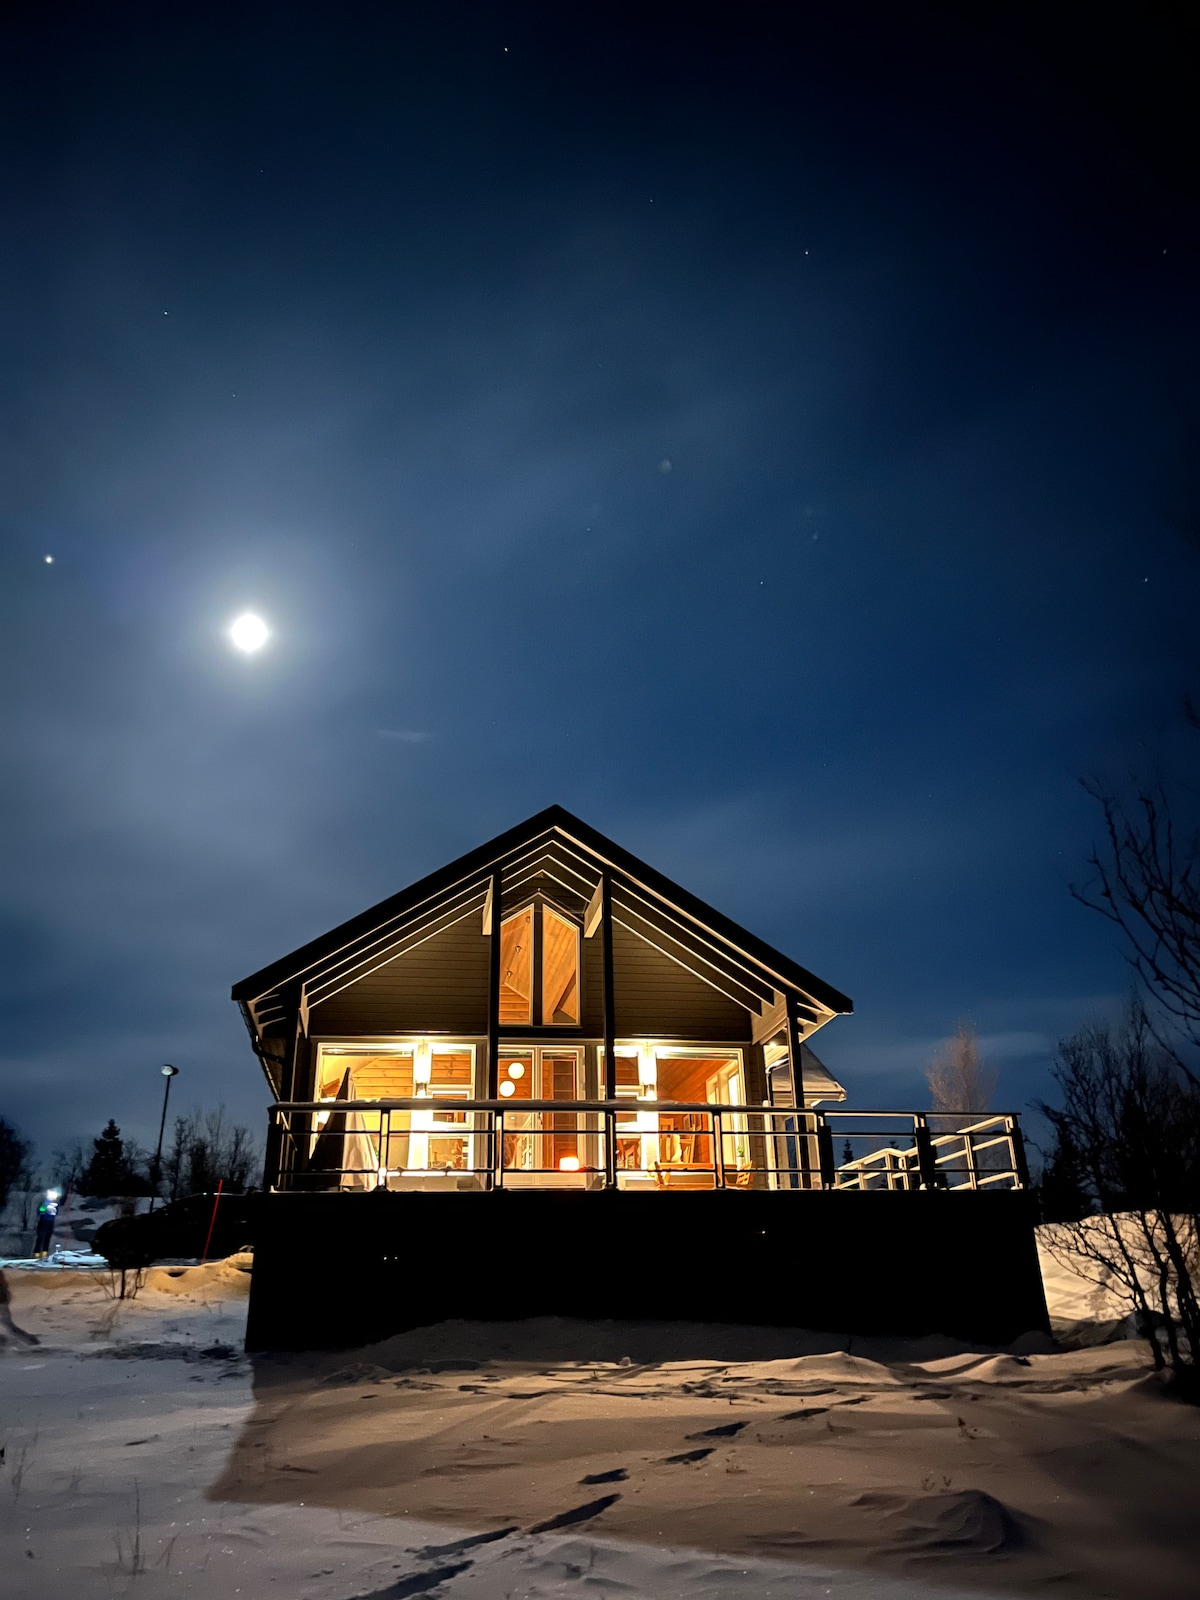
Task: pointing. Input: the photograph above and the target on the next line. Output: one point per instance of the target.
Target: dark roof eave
(775, 963)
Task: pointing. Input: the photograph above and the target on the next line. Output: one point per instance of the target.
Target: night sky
(762, 431)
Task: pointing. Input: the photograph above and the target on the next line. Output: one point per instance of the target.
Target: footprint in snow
(434, 1552)
(584, 1513)
(417, 1582)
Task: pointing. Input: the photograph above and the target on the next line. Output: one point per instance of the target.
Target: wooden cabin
(549, 1047)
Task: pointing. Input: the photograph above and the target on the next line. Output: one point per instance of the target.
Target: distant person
(46, 1216)
(7, 1325)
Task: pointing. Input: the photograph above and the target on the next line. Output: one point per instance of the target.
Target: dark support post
(493, 1061)
(610, 1009)
(273, 1156)
(796, 1068)
(795, 1047)
(610, 1031)
(285, 1156)
(926, 1160)
(1020, 1164)
(825, 1152)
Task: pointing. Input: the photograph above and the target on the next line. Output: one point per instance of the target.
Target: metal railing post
(718, 1139)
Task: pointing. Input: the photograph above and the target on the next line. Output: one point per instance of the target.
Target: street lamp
(168, 1073)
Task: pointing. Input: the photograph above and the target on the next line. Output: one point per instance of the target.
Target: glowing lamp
(516, 1069)
(507, 1089)
(51, 1194)
(568, 1163)
(422, 1064)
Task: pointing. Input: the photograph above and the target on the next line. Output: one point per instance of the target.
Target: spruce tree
(108, 1171)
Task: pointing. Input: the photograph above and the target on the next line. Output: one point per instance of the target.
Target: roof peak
(652, 892)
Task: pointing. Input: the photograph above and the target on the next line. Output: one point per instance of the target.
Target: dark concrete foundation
(335, 1270)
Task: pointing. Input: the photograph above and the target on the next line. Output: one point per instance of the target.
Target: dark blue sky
(761, 433)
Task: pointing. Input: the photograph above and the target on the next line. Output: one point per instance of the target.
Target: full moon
(248, 633)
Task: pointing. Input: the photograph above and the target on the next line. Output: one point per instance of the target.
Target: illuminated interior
(560, 970)
(676, 1148)
(369, 1145)
(516, 969)
(543, 1142)
(375, 1149)
(559, 941)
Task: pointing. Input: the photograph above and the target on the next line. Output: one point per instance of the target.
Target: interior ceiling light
(517, 1070)
(508, 1088)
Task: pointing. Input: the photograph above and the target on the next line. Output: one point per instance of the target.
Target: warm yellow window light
(647, 1071)
(560, 970)
(516, 968)
(568, 1163)
(422, 1064)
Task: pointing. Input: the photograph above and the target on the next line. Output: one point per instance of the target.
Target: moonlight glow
(248, 633)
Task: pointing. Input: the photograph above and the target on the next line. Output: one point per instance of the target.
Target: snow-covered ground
(145, 1454)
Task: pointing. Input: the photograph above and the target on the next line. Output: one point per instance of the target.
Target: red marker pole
(212, 1220)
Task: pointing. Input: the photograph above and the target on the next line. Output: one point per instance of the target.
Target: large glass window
(516, 969)
(542, 1144)
(560, 970)
(676, 1149)
(369, 1147)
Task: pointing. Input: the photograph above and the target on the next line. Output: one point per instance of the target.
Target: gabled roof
(555, 846)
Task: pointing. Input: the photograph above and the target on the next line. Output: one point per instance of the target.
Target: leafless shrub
(67, 1166)
(1146, 882)
(1130, 1118)
(123, 1282)
(207, 1149)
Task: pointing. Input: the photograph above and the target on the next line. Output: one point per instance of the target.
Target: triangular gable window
(560, 970)
(516, 969)
(537, 941)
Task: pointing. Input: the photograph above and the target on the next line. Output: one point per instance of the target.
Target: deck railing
(436, 1143)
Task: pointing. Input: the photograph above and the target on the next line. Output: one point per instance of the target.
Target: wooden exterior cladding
(413, 1125)
(655, 964)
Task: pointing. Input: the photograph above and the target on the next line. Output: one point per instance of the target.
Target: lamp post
(168, 1073)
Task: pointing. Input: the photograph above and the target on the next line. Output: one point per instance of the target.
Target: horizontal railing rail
(628, 1143)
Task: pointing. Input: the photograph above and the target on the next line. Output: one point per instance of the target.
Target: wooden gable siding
(655, 995)
(440, 986)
